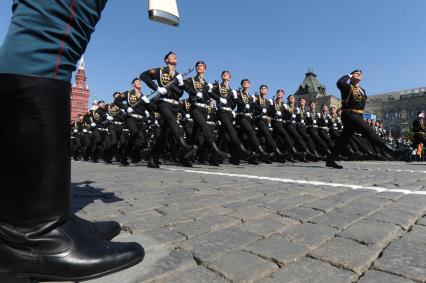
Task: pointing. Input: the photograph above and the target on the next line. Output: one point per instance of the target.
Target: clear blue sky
(273, 44)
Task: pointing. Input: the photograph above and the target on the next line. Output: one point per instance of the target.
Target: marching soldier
(353, 103)
(197, 89)
(302, 130)
(419, 130)
(226, 100)
(263, 111)
(244, 120)
(169, 84)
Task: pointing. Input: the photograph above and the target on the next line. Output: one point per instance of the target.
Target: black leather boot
(220, 154)
(105, 230)
(244, 151)
(153, 161)
(330, 162)
(397, 154)
(38, 238)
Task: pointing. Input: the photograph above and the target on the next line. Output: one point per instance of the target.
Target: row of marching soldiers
(215, 123)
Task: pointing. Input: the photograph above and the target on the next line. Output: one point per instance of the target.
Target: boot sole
(35, 278)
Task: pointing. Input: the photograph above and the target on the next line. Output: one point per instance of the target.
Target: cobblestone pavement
(268, 223)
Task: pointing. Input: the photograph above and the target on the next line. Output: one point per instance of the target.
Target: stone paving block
(396, 216)
(204, 225)
(252, 212)
(417, 234)
(269, 225)
(209, 246)
(406, 206)
(312, 271)
(347, 254)
(198, 274)
(388, 195)
(324, 205)
(278, 249)
(360, 208)
(161, 237)
(150, 223)
(404, 258)
(240, 266)
(301, 213)
(372, 233)
(422, 221)
(373, 276)
(284, 204)
(156, 265)
(238, 205)
(309, 235)
(336, 218)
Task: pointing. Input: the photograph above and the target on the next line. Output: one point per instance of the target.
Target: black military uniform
(301, 127)
(226, 102)
(263, 111)
(419, 130)
(353, 103)
(100, 131)
(168, 107)
(244, 120)
(197, 89)
(323, 129)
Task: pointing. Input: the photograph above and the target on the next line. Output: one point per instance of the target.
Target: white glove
(130, 110)
(75, 131)
(180, 79)
(156, 122)
(109, 118)
(84, 131)
(247, 106)
(223, 100)
(146, 113)
(210, 86)
(145, 99)
(162, 90)
(253, 98)
(264, 111)
(270, 101)
(199, 95)
(208, 116)
(293, 116)
(187, 116)
(234, 93)
(279, 113)
(93, 125)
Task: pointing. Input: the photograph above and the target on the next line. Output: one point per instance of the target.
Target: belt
(226, 109)
(354, 111)
(211, 123)
(266, 117)
(126, 130)
(244, 114)
(278, 120)
(136, 116)
(117, 123)
(324, 128)
(102, 129)
(201, 105)
(312, 126)
(290, 121)
(169, 100)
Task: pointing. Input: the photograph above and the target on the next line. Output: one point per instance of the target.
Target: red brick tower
(79, 92)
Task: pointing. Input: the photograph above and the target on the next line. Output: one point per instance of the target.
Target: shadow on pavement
(84, 194)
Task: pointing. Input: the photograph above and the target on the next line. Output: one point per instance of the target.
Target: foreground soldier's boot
(105, 230)
(38, 239)
(153, 161)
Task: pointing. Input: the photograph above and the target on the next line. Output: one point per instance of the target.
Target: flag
(419, 150)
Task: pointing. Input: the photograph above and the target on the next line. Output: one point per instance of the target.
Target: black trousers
(325, 136)
(263, 131)
(281, 133)
(246, 128)
(200, 128)
(227, 130)
(353, 122)
(302, 131)
(168, 124)
(319, 142)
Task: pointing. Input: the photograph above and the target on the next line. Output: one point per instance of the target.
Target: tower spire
(81, 65)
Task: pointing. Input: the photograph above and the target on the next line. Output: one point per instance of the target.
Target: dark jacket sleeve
(148, 78)
(215, 92)
(343, 86)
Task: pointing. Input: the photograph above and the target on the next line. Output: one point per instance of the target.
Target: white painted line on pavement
(285, 180)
